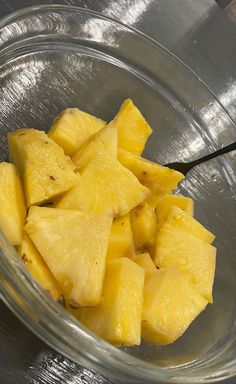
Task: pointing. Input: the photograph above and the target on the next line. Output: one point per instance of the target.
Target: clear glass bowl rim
(51, 322)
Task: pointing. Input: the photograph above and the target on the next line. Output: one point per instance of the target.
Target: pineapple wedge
(160, 180)
(72, 128)
(105, 187)
(118, 317)
(107, 137)
(74, 245)
(181, 220)
(121, 238)
(133, 129)
(45, 170)
(165, 204)
(190, 255)
(144, 227)
(37, 267)
(170, 305)
(145, 261)
(12, 205)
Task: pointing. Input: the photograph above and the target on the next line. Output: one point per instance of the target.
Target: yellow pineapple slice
(45, 170)
(12, 205)
(73, 127)
(107, 137)
(37, 267)
(74, 245)
(181, 220)
(146, 262)
(165, 204)
(133, 129)
(160, 180)
(170, 305)
(105, 187)
(118, 317)
(121, 238)
(192, 256)
(144, 227)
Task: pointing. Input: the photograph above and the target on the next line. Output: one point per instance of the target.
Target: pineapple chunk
(45, 170)
(192, 256)
(170, 305)
(107, 136)
(133, 129)
(160, 180)
(105, 187)
(144, 226)
(181, 220)
(118, 317)
(37, 267)
(12, 206)
(73, 127)
(121, 238)
(165, 204)
(74, 246)
(146, 262)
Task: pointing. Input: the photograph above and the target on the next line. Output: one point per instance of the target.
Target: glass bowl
(53, 57)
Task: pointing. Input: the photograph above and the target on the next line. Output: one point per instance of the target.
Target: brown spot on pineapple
(52, 178)
(25, 259)
(73, 305)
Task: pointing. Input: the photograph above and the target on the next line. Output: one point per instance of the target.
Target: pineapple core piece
(146, 262)
(133, 129)
(181, 220)
(107, 137)
(12, 206)
(170, 305)
(45, 170)
(160, 180)
(189, 254)
(144, 226)
(118, 317)
(73, 127)
(165, 204)
(105, 187)
(74, 245)
(37, 267)
(121, 238)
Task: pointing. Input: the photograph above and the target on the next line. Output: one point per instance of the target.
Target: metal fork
(186, 167)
